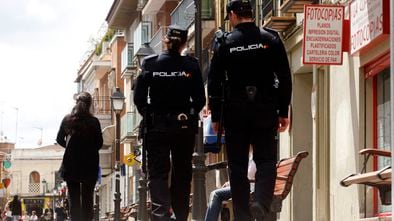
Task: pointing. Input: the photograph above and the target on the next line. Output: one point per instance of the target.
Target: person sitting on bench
(217, 196)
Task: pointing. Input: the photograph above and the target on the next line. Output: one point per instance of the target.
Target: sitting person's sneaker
(258, 211)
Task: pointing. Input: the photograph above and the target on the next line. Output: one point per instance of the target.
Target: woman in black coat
(80, 134)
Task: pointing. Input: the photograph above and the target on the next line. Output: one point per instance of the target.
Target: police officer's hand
(226, 184)
(215, 127)
(283, 124)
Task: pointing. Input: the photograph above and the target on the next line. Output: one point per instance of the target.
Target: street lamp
(199, 168)
(143, 51)
(142, 215)
(44, 184)
(117, 101)
(39, 142)
(16, 125)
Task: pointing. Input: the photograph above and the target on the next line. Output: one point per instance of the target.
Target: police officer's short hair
(242, 8)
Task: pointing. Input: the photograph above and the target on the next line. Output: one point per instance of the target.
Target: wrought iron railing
(101, 105)
(184, 13)
(129, 124)
(127, 57)
(268, 6)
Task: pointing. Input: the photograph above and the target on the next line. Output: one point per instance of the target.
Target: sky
(42, 43)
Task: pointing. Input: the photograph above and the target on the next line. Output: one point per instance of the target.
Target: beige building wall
(45, 160)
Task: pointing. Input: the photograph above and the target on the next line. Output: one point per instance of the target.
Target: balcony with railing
(142, 35)
(183, 14)
(295, 6)
(102, 110)
(268, 6)
(156, 42)
(127, 64)
(129, 127)
(273, 17)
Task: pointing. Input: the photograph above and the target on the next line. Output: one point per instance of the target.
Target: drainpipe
(314, 103)
(315, 129)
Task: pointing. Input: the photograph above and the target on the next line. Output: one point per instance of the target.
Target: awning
(108, 136)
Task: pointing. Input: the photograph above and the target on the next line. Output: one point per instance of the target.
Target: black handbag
(61, 168)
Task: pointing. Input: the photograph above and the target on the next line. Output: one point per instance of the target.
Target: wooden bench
(131, 211)
(286, 170)
(128, 211)
(380, 179)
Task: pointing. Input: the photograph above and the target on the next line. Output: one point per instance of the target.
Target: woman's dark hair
(80, 111)
(174, 43)
(175, 38)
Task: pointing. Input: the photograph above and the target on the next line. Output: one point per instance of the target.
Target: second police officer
(170, 94)
(250, 70)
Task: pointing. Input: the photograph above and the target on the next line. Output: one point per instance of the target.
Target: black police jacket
(174, 84)
(248, 56)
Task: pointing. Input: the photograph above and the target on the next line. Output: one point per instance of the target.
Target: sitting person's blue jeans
(215, 203)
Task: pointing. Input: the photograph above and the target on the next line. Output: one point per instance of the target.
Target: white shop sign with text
(366, 22)
(323, 34)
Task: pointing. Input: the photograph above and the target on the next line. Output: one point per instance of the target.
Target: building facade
(336, 110)
(35, 177)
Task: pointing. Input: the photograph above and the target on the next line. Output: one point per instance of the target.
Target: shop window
(383, 125)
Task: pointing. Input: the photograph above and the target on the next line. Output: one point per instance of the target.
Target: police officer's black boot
(160, 212)
(258, 211)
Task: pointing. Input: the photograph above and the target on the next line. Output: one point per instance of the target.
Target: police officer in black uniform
(250, 70)
(170, 93)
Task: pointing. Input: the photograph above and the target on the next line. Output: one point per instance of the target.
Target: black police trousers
(251, 125)
(170, 149)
